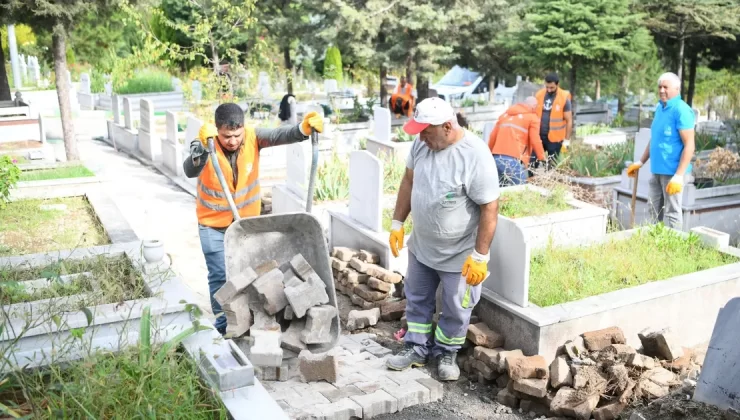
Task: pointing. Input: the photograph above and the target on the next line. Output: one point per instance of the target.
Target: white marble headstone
(298, 160)
(197, 91)
(366, 190)
(381, 124)
(509, 263)
(487, 131)
(116, 108)
(85, 83)
(146, 113)
(330, 85)
(127, 114)
(171, 132)
(191, 131)
(641, 141)
(176, 84)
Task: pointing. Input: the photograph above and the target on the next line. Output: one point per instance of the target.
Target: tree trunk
(422, 87)
(598, 90)
(573, 70)
(289, 68)
(214, 56)
(410, 68)
(681, 46)
(622, 96)
(692, 77)
(5, 94)
(59, 50)
(383, 89)
(492, 88)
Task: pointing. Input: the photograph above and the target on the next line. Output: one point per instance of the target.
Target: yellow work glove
(396, 238)
(563, 148)
(207, 130)
(312, 120)
(475, 268)
(675, 185)
(632, 169)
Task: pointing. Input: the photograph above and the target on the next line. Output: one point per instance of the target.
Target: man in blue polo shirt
(671, 148)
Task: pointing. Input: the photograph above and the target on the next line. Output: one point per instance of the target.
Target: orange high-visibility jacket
(211, 207)
(404, 92)
(517, 134)
(557, 119)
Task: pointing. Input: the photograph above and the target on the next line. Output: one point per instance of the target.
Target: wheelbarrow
(252, 241)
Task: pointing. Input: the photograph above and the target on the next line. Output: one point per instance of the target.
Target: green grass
(18, 159)
(77, 171)
(591, 129)
(26, 229)
(586, 161)
(114, 386)
(116, 277)
(559, 275)
(408, 225)
(706, 141)
(527, 203)
(147, 81)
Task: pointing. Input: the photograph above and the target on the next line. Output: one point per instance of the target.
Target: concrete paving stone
(370, 295)
(317, 367)
(661, 343)
(343, 253)
(307, 399)
(379, 285)
(376, 404)
(641, 361)
(436, 389)
(487, 356)
(362, 303)
(291, 280)
(383, 274)
(306, 295)
(288, 313)
(359, 265)
(534, 387)
(355, 277)
(271, 291)
(486, 372)
(405, 376)
(291, 338)
(318, 386)
(264, 321)
(368, 257)
(235, 285)
(318, 325)
(303, 269)
(350, 378)
(368, 386)
(284, 394)
(339, 393)
(338, 264)
(378, 351)
(409, 394)
(359, 337)
(503, 356)
(266, 267)
(357, 320)
(610, 411)
(393, 311)
(568, 403)
(344, 409)
(266, 350)
(560, 374)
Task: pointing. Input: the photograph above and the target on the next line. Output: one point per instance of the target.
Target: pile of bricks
(595, 375)
(379, 292)
(285, 310)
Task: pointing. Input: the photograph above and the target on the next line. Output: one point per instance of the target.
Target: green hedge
(148, 81)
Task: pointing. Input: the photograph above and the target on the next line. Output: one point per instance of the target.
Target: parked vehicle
(460, 83)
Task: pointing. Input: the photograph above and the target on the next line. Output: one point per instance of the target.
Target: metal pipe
(221, 180)
(314, 164)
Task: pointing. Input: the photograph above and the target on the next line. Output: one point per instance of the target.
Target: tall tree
(574, 34)
(686, 20)
(57, 16)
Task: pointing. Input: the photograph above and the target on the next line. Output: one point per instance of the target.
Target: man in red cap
(451, 183)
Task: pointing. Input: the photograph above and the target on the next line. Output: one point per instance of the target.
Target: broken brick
(487, 356)
(379, 285)
(271, 291)
(568, 402)
(600, 339)
(481, 335)
(357, 320)
(368, 257)
(338, 264)
(369, 294)
(504, 356)
(291, 338)
(393, 311)
(681, 364)
(355, 277)
(362, 303)
(534, 367)
(485, 370)
(610, 411)
(318, 325)
(662, 344)
(507, 398)
(317, 367)
(621, 352)
(534, 387)
(383, 274)
(359, 265)
(640, 361)
(560, 374)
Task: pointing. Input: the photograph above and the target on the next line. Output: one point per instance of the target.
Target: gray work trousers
(664, 207)
(458, 300)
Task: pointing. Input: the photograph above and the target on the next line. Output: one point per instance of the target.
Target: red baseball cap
(430, 111)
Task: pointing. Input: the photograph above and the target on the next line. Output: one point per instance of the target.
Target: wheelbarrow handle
(221, 180)
(314, 165)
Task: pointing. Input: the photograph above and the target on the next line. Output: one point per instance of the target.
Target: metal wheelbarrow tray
(252, 241)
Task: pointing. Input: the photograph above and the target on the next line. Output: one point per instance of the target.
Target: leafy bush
(147, 81)
(584, 160)
(591, 129)
(706, 141)
(9, 175)
(333, 64)
(332, 180)
(402, 136)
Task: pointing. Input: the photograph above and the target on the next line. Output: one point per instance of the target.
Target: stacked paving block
(283, 308)
(358, 275)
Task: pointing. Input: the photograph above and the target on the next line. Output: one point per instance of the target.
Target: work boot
(447, 366)
(405, 359)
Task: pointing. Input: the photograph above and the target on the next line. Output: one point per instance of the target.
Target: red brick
(533, 367)
(393, 311)
(481, 335)
(599, 340)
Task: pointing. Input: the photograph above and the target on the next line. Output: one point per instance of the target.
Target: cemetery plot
(61, 172)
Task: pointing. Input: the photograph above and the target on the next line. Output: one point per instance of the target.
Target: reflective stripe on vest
(515, 127)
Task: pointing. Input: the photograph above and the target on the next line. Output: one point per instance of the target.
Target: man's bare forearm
(689, 147)
(403, 201)
(646, 154)
(486, 227)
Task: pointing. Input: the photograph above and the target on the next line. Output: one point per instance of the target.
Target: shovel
(634, 200)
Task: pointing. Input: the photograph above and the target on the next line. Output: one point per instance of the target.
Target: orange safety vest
(517, 134)
(557, 119)
(407, 91)
(211, 206)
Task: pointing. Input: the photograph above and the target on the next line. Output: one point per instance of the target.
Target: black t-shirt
(546, 108)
